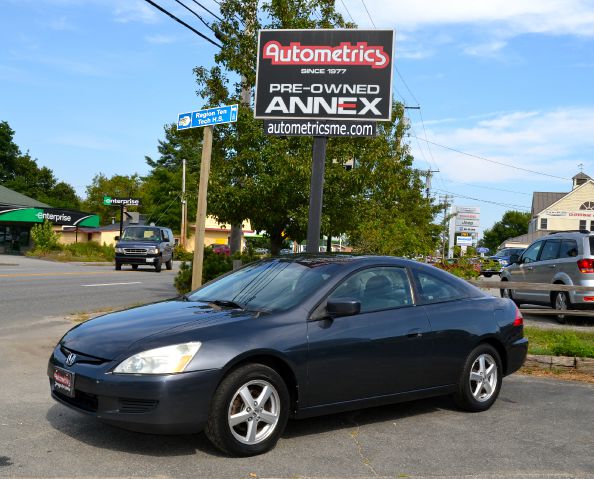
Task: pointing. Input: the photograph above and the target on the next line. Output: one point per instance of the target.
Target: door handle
(414, 333)
(553, 266)
(529, 268)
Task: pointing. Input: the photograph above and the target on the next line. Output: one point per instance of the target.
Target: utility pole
(428, 174)
(201, 208)
(445, 200)
(184, 209)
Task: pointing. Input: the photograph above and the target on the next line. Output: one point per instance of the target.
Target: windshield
(268, 286)
(508, 252)
(141, 234)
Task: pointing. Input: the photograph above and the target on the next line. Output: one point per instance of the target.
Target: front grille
(137, 406)
(82, 358)
(81, 400)
(135, 251)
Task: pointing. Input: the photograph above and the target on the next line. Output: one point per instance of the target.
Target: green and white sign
(113, 201)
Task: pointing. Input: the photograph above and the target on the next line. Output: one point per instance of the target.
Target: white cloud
(574, 17)
(485, 49)
(134, 11)
(160, 39)
(551, 142)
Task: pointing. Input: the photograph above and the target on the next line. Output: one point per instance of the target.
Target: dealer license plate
(64, 381)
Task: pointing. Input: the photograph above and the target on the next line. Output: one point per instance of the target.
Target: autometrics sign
(324, 74)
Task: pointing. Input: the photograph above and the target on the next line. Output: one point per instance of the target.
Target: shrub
(180, 254)
(91, 251)
(462, 267)
(44, 237)
(213, 266)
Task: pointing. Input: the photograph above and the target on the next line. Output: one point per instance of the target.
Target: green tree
(117, 185)
(44, 237)
(513, 223)
(9, 152)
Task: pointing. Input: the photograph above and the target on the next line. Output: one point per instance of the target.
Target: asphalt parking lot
(537, 428)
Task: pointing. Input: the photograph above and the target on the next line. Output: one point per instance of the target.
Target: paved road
(32, 288)
(537, 428)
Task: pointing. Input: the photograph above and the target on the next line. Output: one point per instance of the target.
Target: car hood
(137, 244)
(108, 336)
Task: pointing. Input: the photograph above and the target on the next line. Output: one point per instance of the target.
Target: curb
(583, 365)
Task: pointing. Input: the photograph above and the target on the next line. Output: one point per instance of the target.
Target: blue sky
(88, 85)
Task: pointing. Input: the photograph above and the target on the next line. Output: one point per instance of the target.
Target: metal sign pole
(316, 194)
(121, 219)
(201, 208)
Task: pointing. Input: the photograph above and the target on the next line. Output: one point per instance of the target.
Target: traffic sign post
(207, 119)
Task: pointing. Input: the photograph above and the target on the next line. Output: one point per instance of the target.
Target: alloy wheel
(483, 377)
(254, 412)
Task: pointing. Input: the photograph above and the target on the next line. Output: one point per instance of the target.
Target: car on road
(220, 249)
(289, 337)
(565, 257)
(146, 246)
(496, 263)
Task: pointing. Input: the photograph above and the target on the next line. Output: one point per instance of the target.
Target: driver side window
(531, 254)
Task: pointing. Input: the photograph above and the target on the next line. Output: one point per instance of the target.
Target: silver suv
(565, 257)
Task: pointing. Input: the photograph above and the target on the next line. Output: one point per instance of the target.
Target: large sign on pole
(324, 74)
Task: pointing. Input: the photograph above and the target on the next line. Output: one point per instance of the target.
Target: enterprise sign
(324, 74)
(112, 201)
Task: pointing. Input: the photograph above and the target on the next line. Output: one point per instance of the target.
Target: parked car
(498, 261)
(296, 337)
(565, 257)
(145, 245)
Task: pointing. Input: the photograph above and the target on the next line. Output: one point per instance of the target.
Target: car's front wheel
(561, 303)
(158, 264)
(118, 266)
(169, 264)
(249, 411)
(480, 380)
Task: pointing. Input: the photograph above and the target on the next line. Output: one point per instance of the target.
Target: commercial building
(19, 213)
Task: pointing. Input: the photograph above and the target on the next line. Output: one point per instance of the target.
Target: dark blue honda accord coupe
(289, 338)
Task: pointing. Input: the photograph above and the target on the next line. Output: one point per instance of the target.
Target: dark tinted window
(436, 290)
(569, 248)
(376, 289)
(270, 285)
(531, 252)
(550, 250)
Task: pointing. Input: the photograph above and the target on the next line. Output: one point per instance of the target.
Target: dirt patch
(567, 375)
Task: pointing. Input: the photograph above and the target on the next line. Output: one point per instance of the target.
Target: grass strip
(559, 342)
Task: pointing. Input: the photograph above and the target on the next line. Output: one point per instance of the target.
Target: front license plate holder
(63, 381)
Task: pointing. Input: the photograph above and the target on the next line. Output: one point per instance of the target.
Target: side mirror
(343, 307)
(117, 238)
(514, 258)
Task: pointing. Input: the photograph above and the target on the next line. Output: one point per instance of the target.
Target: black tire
(473, 395)
(508, 293)
(169, 264)
(487, 275)
(158, 264)
(227, 397)
(560, 302)
(134, 267)
(118, 266)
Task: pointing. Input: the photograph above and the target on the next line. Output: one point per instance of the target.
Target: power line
(494, 161)
(490, 188)
(171, 15)
(212, 13)
(195, 14)
(368, 14)
(506, 205)
(347, 10)
(406, 85)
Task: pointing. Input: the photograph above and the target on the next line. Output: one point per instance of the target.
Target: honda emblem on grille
(70, 360)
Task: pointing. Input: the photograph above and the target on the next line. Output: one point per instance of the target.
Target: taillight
(586, 265)
(519, 321)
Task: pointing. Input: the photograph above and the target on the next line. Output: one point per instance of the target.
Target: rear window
(591, 245)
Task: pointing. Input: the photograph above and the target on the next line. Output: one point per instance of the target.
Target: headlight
(153, 250)
(119, 250)
(165, 360)
(503, 262)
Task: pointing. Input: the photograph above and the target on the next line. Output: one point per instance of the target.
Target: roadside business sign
(208, 117)
(324, 74)
(466, 229)
(330, 128)
(464, 240)
(464, 222)
(113, 201)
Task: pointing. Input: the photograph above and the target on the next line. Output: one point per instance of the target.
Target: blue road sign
(482, 249)
(210, 116)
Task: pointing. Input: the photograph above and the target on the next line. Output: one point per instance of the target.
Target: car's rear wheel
(480, 380)
(561, 302)
(134, 267)
(249, 411)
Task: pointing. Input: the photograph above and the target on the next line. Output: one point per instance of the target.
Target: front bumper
(516, 355)
(160, 404)
(149, 259)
